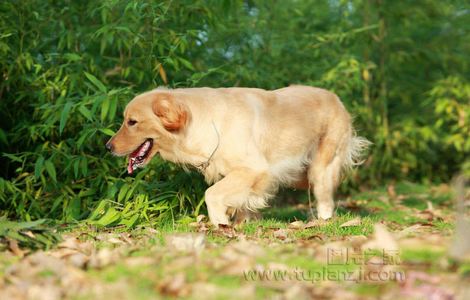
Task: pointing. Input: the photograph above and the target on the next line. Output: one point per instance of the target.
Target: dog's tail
(355, 151)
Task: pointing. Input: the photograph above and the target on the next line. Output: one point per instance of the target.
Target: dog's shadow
(292, 205)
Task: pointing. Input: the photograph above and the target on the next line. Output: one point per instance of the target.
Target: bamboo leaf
(107, 131)
(104, 109)
(38, 166)
(85, 112)
(101, 87)
(50, 168)
(64, 116)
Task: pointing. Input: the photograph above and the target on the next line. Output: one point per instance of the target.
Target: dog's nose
(109, 146)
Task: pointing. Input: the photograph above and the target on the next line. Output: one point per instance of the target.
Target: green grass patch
(422, 256)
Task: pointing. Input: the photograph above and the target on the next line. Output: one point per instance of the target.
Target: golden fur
(247, 141)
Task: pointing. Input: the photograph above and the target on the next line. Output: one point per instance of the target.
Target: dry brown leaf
(357, 240)
(114, 240)
(236, 266)
(247, 248)
(204, 290)
(44, 292)
(70, 243)
(413, 229)
(238, 257)
(382, 240)
(199, 224)
(162, 73)
(280, 234)
(226, 231)
(30, 234)
(174, 286)
(186, 242)
(296, 225)
(139, 261)
(103, 258)
(353, 222)
(126, 237)
(78, 260)
(296, 291)
(14, 248)
(316, 237)
(315, 223)
(200, 218)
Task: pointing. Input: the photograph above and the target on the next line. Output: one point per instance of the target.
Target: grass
(146, 265)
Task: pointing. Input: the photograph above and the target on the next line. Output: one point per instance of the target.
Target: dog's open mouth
(138, 157)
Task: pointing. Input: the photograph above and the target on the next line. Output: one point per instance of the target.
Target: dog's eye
(131, 122)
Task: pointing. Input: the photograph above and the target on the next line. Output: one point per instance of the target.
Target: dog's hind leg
(324, 175)
(240, 189)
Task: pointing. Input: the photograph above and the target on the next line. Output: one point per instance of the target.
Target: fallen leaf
(139, 261)
(247, 248)
(186, 242)
(174, 286)
(126, 237)
(353, 222)
(296, 225)
(103, 258)
(382, 240)
(226, 231)
(78, 260)
(201, 290)
(199, 221)
(296, 291)
(238, 257)
(315, 223)
(30, 234)
(413, 229)
(316, 237)
(14, 248)
(44, 292)
(114, 240)
(357, 240)
(200, 218)
(237, 266)
(69, 242)
(280, 234)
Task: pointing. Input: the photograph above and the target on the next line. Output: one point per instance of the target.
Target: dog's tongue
(130, 167)
(132, 156)
(141, 151)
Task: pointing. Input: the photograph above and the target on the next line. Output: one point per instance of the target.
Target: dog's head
(151, 121)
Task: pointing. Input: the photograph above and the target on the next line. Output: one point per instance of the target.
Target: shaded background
(68, 68)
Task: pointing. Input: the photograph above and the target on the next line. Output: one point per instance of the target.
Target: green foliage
(33, 235)
(66, 82)
(69, 68)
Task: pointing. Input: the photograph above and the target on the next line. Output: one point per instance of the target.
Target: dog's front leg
(242, 188)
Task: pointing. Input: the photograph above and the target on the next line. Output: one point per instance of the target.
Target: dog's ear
(173, 114)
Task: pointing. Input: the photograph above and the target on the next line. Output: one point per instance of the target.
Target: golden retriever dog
(246, 141)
